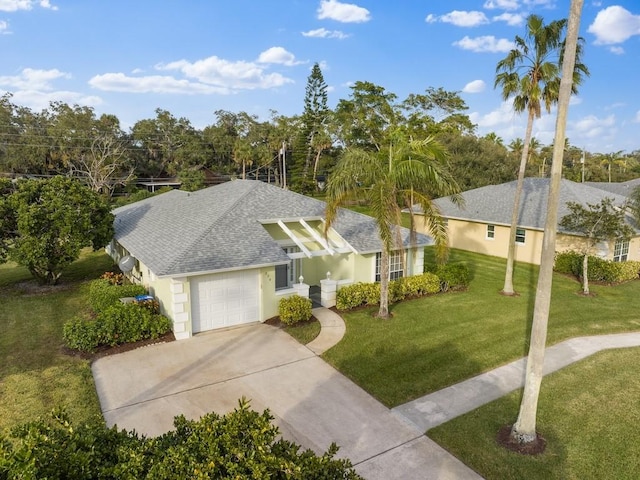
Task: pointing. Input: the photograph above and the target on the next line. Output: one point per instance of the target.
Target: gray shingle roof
(494, 203)
(219, 228)
(622, 188)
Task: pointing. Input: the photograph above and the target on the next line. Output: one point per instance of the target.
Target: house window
(491, 232)
(396, 269)
(620, 251)
(520, 235)
(287, 275)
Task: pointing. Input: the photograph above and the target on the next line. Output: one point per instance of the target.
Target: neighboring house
(225, 255)
(483, 224)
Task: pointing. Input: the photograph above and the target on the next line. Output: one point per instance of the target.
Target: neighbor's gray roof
(494, 203)
(621, 188)
(219, 228)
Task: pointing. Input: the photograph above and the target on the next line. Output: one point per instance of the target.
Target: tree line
(292, 151)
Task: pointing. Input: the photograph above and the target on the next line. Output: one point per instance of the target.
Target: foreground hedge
(599, 270)
(240, 444)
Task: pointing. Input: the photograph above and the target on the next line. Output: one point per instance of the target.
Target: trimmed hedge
(117, 324)
(103, 293)
(361, 293)
(600, 270)
(294, 309)
(453, 276)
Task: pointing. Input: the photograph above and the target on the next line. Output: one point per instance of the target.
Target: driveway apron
(313, 404)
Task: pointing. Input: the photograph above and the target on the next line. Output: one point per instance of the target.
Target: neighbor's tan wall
(605, 250)
(472, 236)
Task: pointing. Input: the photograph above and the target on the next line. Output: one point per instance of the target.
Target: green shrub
(103, 293)
(453, 276)
(352, 296)
(294, 309)
(117, 324)
(569, 263)
(240, 444)
(600, 270)
(629, 270)
(80, 334)
(420, 285)
(361, 293)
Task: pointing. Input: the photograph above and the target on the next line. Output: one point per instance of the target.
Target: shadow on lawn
(399, 373)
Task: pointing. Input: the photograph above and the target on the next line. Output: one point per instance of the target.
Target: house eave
(220, 270)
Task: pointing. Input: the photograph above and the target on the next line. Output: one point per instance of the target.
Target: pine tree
(314, 120)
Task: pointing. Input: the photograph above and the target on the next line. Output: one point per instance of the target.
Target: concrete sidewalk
(441, 406)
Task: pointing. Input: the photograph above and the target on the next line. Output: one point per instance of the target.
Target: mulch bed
(505, 440)
(106, 350)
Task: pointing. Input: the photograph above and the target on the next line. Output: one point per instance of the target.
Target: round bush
(294, 309)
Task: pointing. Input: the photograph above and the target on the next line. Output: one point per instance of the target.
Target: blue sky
(193, 57)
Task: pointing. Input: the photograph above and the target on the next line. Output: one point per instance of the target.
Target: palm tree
(610, 159)
(242, 154)
(407, 173)
(524, 430)
(530, 76)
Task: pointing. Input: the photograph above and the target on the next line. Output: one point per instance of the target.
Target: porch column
(328, 290)
(301, 289)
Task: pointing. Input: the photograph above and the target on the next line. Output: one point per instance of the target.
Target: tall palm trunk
(585, 274)
(511, 252)
(383, 311)
(524, 430)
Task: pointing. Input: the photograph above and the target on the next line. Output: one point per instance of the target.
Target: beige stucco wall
(472, 236)
(604, 249)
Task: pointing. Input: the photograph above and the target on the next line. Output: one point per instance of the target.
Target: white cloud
(594, 127)
(278, 55)
(33, 79)
(475, 86)
(47, 4)
(637, 119)
(614, 25)
(460, 18)
(616, 50)
(15, 5)
(4, 28)
(119, 82)
(501, 116)
(217, 72)
(36, 100)
(343, 12)
(512, 19)
(487, 43)
(324, 33)
(501, 4)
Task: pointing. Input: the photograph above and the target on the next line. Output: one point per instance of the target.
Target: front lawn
(35, 373)
(588, 413)
(434, 342)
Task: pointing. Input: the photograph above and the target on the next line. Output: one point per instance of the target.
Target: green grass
(35, 374)
(434, 342)
(588, 413)
(304, 332)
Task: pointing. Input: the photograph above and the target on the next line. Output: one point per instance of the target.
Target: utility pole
(582, 162)
(283, 151)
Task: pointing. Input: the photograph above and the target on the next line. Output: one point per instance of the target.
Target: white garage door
(224, 300)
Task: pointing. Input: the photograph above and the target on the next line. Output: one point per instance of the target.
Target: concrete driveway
(312, 403)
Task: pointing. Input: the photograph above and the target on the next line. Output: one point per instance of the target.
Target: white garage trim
(225, 300)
